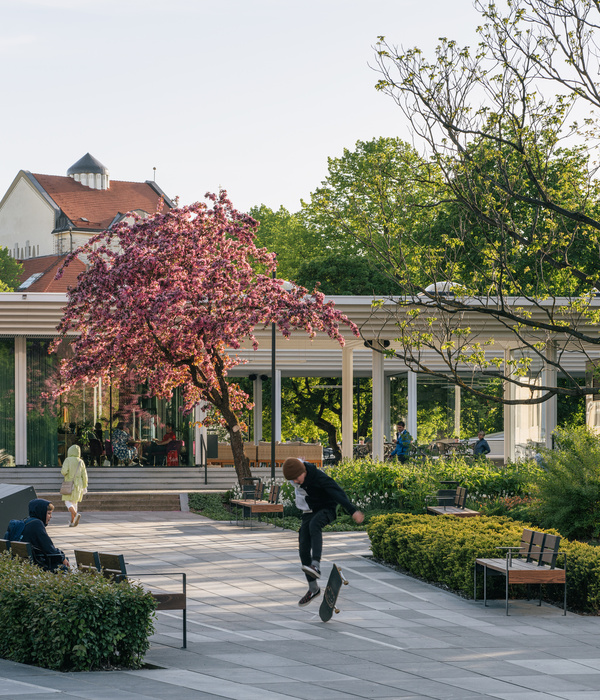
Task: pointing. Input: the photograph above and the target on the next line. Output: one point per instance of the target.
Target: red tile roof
(48, 265)
(99, 207)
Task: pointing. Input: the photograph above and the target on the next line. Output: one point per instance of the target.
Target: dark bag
(15, 530)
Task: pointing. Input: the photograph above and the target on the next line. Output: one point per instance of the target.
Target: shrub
(210, 505)
(443, 550)
(404, 487)
(569, 488)
(71, 621)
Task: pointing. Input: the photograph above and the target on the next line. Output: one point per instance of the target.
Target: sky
(251, 96)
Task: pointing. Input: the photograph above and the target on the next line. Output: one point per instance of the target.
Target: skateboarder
(317, 496)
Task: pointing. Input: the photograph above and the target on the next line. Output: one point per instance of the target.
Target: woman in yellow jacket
(73, 469)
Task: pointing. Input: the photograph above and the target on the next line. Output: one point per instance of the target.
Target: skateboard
(332, 590)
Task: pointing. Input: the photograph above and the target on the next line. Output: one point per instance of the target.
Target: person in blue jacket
(403, 441)
(34, 532)
(317, 496)
(481, 447)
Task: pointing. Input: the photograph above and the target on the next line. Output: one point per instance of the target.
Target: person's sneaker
(311, 570)
(308, 596)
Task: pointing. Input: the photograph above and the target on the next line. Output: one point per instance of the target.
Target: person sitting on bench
(34, 532)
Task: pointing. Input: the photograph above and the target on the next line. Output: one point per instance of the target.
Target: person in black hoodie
(317, 496)
(34, 532)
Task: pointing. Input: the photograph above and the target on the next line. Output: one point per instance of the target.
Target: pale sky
(249, 95)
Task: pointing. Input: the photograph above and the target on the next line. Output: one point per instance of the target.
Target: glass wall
(7, 401)
(42, 413)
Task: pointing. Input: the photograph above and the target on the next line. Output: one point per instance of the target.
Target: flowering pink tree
(168, 301)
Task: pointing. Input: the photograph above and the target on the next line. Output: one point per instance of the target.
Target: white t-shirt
(301, 498)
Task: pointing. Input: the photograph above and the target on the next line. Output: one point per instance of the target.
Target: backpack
(15, 530)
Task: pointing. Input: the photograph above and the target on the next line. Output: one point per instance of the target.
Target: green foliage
(10, 272)
(210, 505)
(443, 550)
(569, 488)
(404, 487)
(345, 274)
(71, 621)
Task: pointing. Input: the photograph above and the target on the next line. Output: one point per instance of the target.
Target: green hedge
(391, 485)
(443, 550)
(71, 621)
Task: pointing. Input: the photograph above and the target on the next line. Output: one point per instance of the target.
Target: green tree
(284, 233)
(519, 222)
(345, 274)
(10, 272)
(370, 197)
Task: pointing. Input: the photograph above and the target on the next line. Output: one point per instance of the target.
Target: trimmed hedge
(71, 621)
(443, 550)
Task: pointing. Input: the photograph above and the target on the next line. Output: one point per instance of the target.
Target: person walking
(317, 496)
(481, 447)
(403, 441)
(73, 470)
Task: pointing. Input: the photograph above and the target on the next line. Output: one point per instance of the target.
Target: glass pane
(42, 414)
(7, 400)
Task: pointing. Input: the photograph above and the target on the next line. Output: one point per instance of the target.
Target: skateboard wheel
(345, 582)
(336, 610)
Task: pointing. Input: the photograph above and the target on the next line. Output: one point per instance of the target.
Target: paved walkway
(247, 639)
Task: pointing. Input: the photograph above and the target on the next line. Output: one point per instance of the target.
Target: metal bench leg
(485, 586)
(507, 592)
(475, 582)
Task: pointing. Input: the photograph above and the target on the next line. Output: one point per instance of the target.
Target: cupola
(90, 172)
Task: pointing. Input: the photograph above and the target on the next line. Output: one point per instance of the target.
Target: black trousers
(310, 537)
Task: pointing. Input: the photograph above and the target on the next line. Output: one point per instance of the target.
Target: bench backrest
(274, 493)
(4, 545)
(461, 497)
(112, 566)
(539, 547)
(22, 550)
(87, 561)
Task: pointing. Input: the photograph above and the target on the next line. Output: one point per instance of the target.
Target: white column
(411, 417)
(509, 436)
(20, 400)
(387, 408)
(549, 408)
(347, 403)
(277, 407)
(378, 376)
(457, 410)
(200, 432)
(258, 409)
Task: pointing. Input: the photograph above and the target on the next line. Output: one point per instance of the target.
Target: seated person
(97, 446)
(121, 444)
(159, 448)
(45, 553)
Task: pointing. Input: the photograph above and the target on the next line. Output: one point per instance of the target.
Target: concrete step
(180, 479)
(120, 501)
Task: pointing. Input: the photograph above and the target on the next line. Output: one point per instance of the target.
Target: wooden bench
(257, 506)
(113, 566)
(25, 551)
(533, 561)
(457, 508)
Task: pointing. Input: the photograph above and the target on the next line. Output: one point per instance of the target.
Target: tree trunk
(241, 462)
(331, 431)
